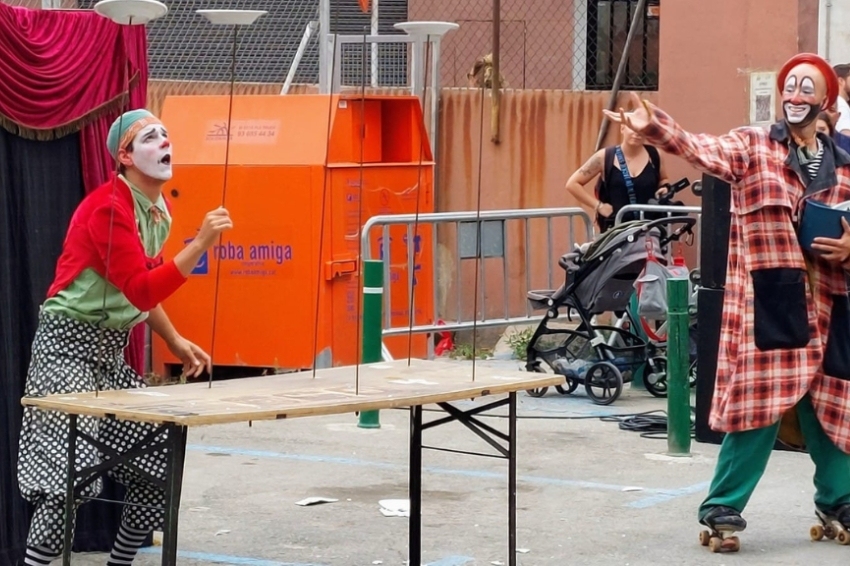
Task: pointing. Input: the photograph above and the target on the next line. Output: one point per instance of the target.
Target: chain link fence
(544, 44)
(548, 44)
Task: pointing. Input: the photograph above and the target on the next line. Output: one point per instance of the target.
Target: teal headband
(125, 128)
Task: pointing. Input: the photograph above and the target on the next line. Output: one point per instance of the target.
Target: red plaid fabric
(755, 387)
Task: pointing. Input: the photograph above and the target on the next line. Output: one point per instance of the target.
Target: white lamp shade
(427, 28)
(131, 12)
(232, 17)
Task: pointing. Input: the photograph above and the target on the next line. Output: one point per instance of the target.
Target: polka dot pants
(65, 357)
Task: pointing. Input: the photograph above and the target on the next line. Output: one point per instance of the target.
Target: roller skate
(722, 522)
(834, 524)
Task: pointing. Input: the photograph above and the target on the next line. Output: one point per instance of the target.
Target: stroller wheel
(603, 383)
(656, 381)
(570, 384)
(539, 392)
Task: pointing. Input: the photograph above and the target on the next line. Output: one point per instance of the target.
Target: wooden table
(349, 389)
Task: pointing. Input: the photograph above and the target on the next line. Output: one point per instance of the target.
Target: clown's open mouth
(797, 112)
(166, 160)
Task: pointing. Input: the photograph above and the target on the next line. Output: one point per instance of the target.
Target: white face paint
(152, 152)
(797, 111)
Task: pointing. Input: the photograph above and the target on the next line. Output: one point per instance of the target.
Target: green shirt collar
(142, 199)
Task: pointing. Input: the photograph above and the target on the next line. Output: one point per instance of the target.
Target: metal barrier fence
(495, 242)
(643, 209)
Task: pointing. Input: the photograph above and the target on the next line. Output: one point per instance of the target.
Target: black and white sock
(38, 556)
(127, 544)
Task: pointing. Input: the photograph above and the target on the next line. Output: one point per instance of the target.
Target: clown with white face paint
(797, 103)
(152, 152)
(783, 367)
(110, 277)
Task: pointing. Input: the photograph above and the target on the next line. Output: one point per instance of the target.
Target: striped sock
(38, 556)
(127, 544)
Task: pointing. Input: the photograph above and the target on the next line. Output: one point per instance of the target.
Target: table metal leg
(512, 480)
(504, 444)
(69, 490)
(415, 552)
(173, 490)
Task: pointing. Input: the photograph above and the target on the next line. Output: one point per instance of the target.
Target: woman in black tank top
(645, 171)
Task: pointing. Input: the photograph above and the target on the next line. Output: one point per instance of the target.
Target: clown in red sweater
(110, 276)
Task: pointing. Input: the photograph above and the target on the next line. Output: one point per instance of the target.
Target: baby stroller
(600, 278)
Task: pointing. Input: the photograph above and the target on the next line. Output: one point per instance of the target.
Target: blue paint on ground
(452, 561)
(245, 561)
(663, 496)
(225, 559)
(658, 495)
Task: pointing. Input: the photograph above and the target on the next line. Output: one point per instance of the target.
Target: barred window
(608, 23)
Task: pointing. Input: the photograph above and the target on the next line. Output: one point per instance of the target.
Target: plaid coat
(785, 328)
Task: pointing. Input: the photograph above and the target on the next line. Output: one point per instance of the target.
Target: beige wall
(704, 76)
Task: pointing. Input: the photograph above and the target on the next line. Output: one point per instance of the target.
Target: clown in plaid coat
(784, 353)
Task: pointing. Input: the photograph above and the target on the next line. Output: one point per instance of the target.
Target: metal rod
(512, 479)
(470, 412)
(309, 30)
(549, 249)
(411, 267)
(415, 535)
(621, 69)
(505, 286)
(374, 47)
(464, 452)
(325, 72)
(387, 259)
(434, 279)
(644, 208)
(468, 216)
(527, 265)
(468, 325)
(69, 491)
(482, 273)
(223, 198)
(459, 272)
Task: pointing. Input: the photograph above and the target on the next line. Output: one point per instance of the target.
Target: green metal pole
(373, 302)
(678, 389)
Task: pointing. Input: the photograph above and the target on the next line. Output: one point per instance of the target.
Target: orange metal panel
(283, 197)
(268, 271)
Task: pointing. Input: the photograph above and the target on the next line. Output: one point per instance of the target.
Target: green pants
(743, 458)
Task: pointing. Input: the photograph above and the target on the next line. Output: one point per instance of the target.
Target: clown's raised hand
(636, 120)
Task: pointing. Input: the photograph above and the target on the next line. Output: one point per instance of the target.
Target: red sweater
(145, 281)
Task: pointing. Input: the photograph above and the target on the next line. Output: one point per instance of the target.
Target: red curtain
(67, 71)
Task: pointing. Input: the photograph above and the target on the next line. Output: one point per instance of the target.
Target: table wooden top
(382, 385)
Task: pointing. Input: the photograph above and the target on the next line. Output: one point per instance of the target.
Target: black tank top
(614, 191)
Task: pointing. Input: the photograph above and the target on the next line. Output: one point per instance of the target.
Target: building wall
(834, 30)
(705, 75)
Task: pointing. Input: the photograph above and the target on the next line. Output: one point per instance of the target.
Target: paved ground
(589, 494)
